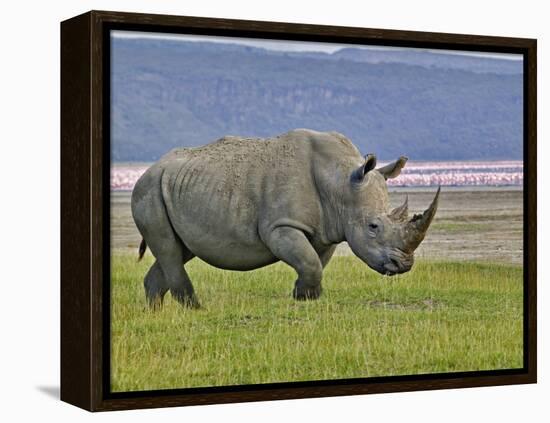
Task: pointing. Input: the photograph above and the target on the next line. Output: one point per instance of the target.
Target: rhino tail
(142, 248)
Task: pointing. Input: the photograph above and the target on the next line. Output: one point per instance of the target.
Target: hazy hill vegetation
(428, 106)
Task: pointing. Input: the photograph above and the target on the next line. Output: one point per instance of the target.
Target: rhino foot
(155, 303)
(155, 287)
(188, 301)
(303, 293)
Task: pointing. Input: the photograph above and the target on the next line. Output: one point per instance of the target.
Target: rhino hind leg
(183, 291)
(168, 273)
(155, 286)
(171, 254)
(292, 246)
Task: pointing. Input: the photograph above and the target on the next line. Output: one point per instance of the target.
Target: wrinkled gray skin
(241, 204)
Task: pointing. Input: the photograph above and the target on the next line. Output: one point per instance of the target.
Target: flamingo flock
(415, 174)
(478, 173)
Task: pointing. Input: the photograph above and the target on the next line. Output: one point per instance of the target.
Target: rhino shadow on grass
(244, 203)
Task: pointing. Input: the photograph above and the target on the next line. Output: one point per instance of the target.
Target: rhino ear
(393, 169)
(370, 164)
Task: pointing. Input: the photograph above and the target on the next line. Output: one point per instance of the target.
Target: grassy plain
(459, 309)
(440, 317)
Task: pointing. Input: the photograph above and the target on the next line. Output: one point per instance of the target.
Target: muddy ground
(472, 224)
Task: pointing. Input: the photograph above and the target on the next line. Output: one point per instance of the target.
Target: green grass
(440, 317)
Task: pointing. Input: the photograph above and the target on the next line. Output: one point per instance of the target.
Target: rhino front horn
(417, 227)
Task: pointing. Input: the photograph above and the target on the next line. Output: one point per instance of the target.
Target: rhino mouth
(391, 269)
(392, 266)
(397, 264)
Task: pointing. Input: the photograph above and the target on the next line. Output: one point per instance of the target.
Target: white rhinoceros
(243, 203)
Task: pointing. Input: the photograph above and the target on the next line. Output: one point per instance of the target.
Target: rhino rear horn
(401, 213)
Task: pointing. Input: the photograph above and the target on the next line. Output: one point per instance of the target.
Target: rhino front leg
(326, 255)
(291, 246)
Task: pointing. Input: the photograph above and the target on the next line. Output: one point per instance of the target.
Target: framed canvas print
(260, 210)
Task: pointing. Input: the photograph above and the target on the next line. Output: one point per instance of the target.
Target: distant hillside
(429, 106)
(478, 64)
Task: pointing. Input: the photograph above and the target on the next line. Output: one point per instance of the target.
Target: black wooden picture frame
(85, 248)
